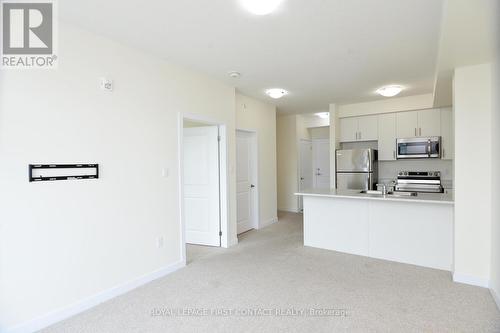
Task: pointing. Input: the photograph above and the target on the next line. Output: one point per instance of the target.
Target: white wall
(473, 115)
(254, 115)
(394, 104)
(64, 241)
(287, 154)
(319, 132)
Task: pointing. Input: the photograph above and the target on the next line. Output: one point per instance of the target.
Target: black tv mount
(33, 167)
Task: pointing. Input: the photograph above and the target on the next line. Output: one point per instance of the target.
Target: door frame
(299, 171)
(223, 177)
(256, 223)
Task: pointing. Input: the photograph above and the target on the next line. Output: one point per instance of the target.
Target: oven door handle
(429, 148)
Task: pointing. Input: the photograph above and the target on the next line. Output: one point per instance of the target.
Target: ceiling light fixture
(323, 115)
(276, 93)
(389, 91)
(261, 7)
(234, 74)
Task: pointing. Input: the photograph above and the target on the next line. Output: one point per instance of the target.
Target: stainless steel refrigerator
(356, 169)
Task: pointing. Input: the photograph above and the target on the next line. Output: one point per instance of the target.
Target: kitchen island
(409, 229)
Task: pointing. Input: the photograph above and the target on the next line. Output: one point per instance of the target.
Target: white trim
(94, 300)
(472, 280)
(289, 210)
(267, 222)
(496, 298)
(254, 137)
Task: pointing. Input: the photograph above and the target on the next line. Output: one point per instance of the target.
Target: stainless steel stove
(419, 181)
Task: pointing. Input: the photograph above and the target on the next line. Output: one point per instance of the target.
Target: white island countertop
(437, 198)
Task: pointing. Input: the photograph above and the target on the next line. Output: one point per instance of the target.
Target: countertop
(436, 198)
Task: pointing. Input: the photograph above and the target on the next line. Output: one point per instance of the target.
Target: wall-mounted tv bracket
(66, 172)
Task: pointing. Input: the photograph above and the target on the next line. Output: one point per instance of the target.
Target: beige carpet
(270, 269)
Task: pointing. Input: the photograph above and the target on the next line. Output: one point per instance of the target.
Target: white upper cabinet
(418, 123)
(359, 129)
(447, 134)
(407, 124)
(387, 137)
(368, 128)
(429, 122)
(348, 129)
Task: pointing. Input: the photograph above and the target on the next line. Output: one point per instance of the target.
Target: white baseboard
(496, 297)
(472, 280)
(268, 222)
(89, 302)
(289, 210)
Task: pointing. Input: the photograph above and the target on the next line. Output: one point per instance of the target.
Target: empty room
(250, 166)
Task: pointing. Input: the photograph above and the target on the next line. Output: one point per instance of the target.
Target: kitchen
(392, 194)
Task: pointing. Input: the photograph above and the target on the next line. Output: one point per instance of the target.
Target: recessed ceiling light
(323, 115)
(389, 91)
(261, 7)
(234, 74)
(276, 92)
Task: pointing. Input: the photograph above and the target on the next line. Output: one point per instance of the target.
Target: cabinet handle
(415, 131)
(359, 135)
(444, 153)
(420, 131)
(394, 154)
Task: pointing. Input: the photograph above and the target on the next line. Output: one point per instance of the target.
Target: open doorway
(247, 190)
(203, 183)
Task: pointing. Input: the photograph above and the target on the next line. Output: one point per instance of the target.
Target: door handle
(252, 186)
(302, 178)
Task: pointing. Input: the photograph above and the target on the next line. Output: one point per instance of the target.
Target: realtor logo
(28, 34)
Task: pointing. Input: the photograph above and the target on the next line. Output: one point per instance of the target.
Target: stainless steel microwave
(425, 147)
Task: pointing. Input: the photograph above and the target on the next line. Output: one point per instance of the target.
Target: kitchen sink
(392, 194)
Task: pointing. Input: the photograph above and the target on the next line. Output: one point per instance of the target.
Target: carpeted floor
(270, 271)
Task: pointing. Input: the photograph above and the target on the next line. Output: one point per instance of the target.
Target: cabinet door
(429, 122)
(406, 124)
(348, 129)
(387, 137)
(447, 139)
(368, 128)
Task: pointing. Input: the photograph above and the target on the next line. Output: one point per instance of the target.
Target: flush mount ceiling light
(261, 7)
(323, 115)
(276, 93)
(389, 91)
(234, 74)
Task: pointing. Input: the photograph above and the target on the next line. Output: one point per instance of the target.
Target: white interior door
(201, 185)
(306, 171)
(321, 163)
(246, 198)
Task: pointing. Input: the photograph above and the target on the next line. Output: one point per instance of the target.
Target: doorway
(247, 190)
(305, 167)
(321, 163)
(203, 185)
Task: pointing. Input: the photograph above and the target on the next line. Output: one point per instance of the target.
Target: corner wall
(495, 227)
(473, 147)
(254, 115)
(287, 154)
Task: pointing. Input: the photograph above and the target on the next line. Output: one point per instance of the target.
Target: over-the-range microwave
(425, 147)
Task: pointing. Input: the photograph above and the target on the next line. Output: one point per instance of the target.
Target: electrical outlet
(160, 242)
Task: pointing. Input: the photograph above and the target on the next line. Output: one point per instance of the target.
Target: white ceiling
(322, 51)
